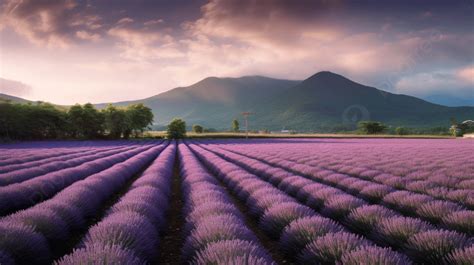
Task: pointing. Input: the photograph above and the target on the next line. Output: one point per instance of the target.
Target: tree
(93, 121)
(371, 127)
(401, 131)
(176, 129)
(85, 121)
(235, 125)
(197, 128)
(116, 122)
(140, 117)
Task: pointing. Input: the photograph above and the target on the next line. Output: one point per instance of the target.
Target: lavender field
(266, 201)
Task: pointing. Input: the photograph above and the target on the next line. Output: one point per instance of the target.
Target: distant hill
(321, 102)
(13, 99)
(213, 102)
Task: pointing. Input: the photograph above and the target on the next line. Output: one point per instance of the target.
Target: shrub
(463, 256)
(434, 211)
(462, 221)
(340, 205)
(128, 230)
(401, 131)
(176, 129)
(304, 230)
(280, 215)
(329, 248)
(371, 127)
(374, 256)
(198, 128)
(233, 252)
(23, 244)
(101, 254)
(208, 232)
(432, 246)
(396, 231)
(364, 218)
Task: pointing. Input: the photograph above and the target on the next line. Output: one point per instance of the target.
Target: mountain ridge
(320, 102)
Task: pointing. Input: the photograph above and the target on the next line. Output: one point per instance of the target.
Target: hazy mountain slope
(327, 99)
(13, 99)
(321, 102)
(213, 102)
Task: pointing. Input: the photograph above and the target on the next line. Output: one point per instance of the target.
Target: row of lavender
(39, 187)
(130, 231)
(420, 240)
(39, 233)
(215, 231)
(441, 169)
(300, 231)
(451, 215)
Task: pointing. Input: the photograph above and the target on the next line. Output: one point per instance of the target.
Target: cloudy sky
(69, 51)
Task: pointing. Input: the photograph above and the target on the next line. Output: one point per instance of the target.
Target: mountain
(326, 100)
(13, 99)
(213, 102)
(321, 102)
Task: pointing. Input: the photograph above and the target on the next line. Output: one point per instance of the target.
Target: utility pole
(246, 117)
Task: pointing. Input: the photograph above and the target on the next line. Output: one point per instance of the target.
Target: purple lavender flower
(43, 221)
(278, 216)
(432, 246)
(22, 244)
(397, 230)
(463, 256)
(329, 248)
(374, 256)
(364, 218)
(375, 192)
(101, 254)
(462, 221)
(317, 198)
(340, 205)
(209, 232)
(237, 252)
(304, 230)
(126, 229)
(434, 211)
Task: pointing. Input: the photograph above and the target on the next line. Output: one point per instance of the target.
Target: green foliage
(176, 129)
(140, 117)
(401, 131)
(197, 128)
(235, 125)
(85, 121)
(371, 127)
(28, 121)
(46, 121)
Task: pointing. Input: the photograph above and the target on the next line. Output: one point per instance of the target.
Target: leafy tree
(235, 125)
(93, 121)
(371, 127)
(197, 128)
(401, 131)
(85, 121)
(116, 122)
(176, 129)
(140, 117)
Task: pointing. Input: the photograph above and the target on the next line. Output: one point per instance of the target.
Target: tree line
(46, 121)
